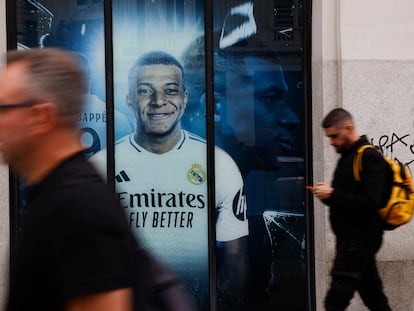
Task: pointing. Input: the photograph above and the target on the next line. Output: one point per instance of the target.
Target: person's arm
(322, 190)
(371, 190)
(231, 232)
(115, 300)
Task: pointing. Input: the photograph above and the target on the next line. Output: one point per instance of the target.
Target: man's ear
(350, 130)
(44, 117)
(348, 125)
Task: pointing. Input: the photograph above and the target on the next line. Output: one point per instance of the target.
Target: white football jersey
(165, 199)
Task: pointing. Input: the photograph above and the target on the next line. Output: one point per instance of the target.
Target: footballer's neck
(158, 144)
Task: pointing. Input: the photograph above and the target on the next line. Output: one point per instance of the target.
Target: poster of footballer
(160, 167)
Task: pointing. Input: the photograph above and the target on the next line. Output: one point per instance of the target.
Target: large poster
(161, 168)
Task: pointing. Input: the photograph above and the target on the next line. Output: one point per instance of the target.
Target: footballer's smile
(159, 115)
(159, 99)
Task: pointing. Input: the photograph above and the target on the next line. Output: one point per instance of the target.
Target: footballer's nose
(159, 98)
(288, 120)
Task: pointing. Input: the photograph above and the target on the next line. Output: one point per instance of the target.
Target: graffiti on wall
(397, 146)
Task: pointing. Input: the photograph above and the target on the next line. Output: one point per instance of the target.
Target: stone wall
(363, 61)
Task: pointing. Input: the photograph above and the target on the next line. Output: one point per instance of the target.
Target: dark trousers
(355, 269)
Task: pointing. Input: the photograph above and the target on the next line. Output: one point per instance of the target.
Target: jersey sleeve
(231, 206)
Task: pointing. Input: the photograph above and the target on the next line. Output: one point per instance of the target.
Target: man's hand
(115, 300)
(322, 190)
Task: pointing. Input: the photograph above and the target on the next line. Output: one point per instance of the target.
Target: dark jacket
(354, 205)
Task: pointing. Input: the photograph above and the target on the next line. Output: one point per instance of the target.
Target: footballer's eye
(144, 91)
(268, 99)
(271, 97)
(171, 91)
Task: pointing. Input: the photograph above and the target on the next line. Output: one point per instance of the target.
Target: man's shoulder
(72, 169)
(373, 158)
(371, 152)
(74, 180)
(192, 138)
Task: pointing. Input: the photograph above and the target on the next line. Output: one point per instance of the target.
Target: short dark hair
(155, 58)
(336, 117)
(52, 74)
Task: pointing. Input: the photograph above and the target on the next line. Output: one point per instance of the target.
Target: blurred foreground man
(76, 250)
(354, 216)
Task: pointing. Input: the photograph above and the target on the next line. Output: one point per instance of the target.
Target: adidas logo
(122, 176)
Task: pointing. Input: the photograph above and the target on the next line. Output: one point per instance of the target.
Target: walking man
(354, 216)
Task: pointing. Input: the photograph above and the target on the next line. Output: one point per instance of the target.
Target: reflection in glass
(259, 113)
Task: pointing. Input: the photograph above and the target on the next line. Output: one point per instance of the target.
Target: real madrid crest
(196, 175)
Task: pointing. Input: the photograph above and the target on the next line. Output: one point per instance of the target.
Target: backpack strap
(357, 164)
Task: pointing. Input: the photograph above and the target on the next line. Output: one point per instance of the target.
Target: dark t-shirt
(75, 240)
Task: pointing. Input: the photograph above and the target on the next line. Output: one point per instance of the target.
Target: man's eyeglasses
(16, 105)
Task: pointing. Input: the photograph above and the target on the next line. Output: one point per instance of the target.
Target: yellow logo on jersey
(196, 175)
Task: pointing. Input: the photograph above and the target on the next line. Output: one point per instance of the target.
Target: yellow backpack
(400, 206)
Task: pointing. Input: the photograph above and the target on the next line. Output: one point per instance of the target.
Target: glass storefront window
(242, 242)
